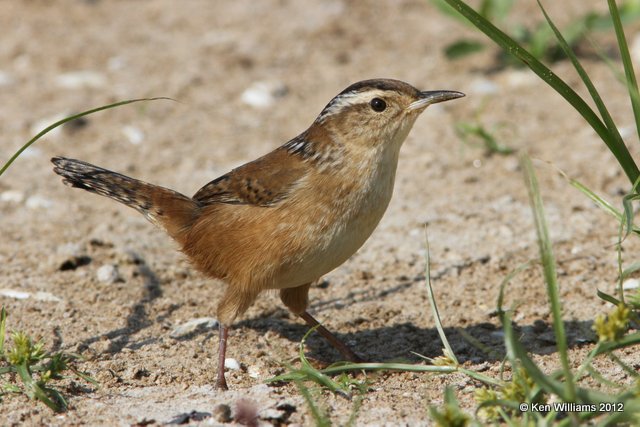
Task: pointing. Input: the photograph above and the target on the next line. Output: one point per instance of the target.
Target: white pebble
(108, 273)
(46, 296)
(520, 78)
(116, 63)
(253, 372)
(272, 414)
(38, 202)
(40, 125)
(70, 249)
(134, 135)
(194, 325)
(232, 364)
(12, 293)
(263, 94)
(81, 79)
(631, 284)
(635, 49)
(5, 78)
(11, 196)
(32, 151)
(483, 87)
(627, 131)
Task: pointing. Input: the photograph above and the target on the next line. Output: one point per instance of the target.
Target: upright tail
(162, 206)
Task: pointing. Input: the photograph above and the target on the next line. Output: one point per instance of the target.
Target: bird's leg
(296, 299)
(333, 340)
(235, 301)
(221, 382)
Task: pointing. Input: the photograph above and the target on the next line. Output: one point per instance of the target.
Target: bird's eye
(378, 105)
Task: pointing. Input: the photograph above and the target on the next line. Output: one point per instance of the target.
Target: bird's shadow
(138, 319)
(480, 342)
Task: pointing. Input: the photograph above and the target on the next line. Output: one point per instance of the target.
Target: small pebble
(38, 296)
(231, 364)
(116, 63)
(483, 87)
(133, 134)
(38, 202)
(12, 293)
(263, 94)
(253, 372)
(11, 196)
(631, 284)
(108, 273)
(520, 78)
(81, 80)
(194, 325)
(42, 124)
(6, 79)
(635, 49)
(222, 413)
(74, 249)
(45, 296)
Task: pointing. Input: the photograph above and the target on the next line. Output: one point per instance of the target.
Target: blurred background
(245, 77)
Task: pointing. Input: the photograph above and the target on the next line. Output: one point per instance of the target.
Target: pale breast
(333, 225)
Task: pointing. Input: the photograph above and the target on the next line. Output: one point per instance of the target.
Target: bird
(282, 221)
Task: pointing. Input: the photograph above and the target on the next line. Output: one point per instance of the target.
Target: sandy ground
(63, 57)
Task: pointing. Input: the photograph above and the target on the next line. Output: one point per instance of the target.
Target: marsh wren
(283, 220)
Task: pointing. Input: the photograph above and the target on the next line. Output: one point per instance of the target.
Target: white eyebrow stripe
(347, 99)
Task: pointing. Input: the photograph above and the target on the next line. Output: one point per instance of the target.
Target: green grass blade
(618, 149)
(604, 204)
(595, 95)
(432, 302)
(68, 119)
(626, 341)
(506, 281)
(627, 204)
(549, 269)
(84, 376)
(3, 326)
(388, 367)
(517, 355)
(317, 414)
(630, 270)
(632, 84)
(33, 390)
(608, 298)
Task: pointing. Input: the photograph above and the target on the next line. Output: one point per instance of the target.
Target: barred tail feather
(162, 206)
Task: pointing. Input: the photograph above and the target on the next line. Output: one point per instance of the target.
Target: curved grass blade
(517, 353)
(595, 95)
(68, 119)
(626, 341)
(549, 269)
(34, 391)
(317, 414)
(618, 149)
(630, 270)
(632, 84)
(3, 325)
(608, 298)
(505, 282)
(432, 302)
(627, 204)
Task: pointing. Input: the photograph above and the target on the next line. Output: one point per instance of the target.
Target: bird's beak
(433, 97)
